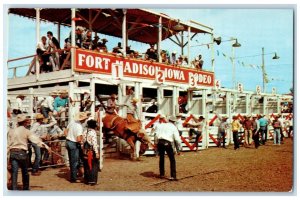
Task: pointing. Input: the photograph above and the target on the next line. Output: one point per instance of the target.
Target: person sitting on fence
(199, 125)
(18, 106)
(223, 126)
(47, 103)
(60, 107)
(151, 53)
(247, 125)
(42, 51)
(54, 46)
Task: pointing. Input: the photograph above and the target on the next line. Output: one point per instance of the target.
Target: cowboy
(247, 125)
(18, 147)
(112, 104)
(134, 124)
(199, 125)
(47, 103)
(235, 131)
(179, 123)
(166, 134)
(74, 133)
(222, 131)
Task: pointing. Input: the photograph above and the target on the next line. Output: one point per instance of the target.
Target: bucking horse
(122, 129)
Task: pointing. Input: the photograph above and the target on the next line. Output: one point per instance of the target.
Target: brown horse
(119, 126)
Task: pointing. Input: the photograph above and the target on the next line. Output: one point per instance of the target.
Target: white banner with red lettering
(94, 62)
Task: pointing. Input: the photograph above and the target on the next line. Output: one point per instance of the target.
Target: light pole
(234, 45)
(264, 74)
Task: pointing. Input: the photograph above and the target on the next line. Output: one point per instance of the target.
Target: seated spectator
(137, 55)
(179, 62)
(151, 53)
(54, 47)
(102, 45)
(118, 49)
(164, 57)
(129, 52)
(87, 40)
(185, 62)
(43, 53)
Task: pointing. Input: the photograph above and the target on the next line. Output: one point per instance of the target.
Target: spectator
(173, 58)
(42, 51)
(118, 49)
(179, 123)
(247, 125)
(199, 125)
(164, 57)
(290, 125)
(153, 107)
(95, 43)
(47, 103)
(74, 138)
(54, 46)
(222, 131)
(151, 53)
(87, 40)
(200, 61)
(60, 107)
(185, 62)
(78, 36)
(90, 153)
(277, 127)
(102, 45)
(18, 107)
(67, 47)
(17, 144)
(235, 131)
(263, 123)
(255, 128)
(179, 62)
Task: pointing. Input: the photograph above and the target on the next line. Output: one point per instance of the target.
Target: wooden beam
(82, 17)
(174, 41)
(96, 16)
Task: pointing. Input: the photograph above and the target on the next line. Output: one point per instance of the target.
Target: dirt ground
(266, 169)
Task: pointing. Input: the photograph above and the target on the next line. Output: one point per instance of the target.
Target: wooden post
(37, 32)
(159, 38)
(124, 35)
(248, 104)
(265, 101)
(189, 45)
(190, 99)
(92, 96)
(121, 100)
(30, 111)
(175, 108)
(101, 146)
(278, 104)
(159, 99)
(71, 111)
(73, 15)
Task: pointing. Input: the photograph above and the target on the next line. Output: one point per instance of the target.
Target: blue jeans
(19, 159)
(45, 111)
(263, 131)
(197, 133)
(37, 159)
(73, 152)
(276, 135)
(166, 146)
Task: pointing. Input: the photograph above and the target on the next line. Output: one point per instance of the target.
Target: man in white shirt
(18, 106)
(166, 134)
(42, 51)
(47, 103)
(74, 137)
(199, 125)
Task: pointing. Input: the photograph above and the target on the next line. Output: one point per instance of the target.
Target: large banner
(93, 62)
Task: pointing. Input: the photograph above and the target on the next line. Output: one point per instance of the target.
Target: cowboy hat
(63, 92)
(21, 95)
(134, 100)
(39, 116)
(80, 116)
(22, 117)
(104, 40)
(173, 119)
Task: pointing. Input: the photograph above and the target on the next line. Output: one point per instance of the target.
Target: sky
(254, 29)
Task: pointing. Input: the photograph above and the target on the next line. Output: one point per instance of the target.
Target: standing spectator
(18, 107)
(235, 131)
(290, 125)
(199, 125)
(173, 58)
(60, 107)
(281, 120)
(247, 125)
(91, 153)
(222, 131)
(118, 49)
(54, 45)
(74, 138)
(87, 40)
(95, 43)
(47, 104)
(42, 51)
(151, 53)
(277, 127)
(255, 131)
(18, 146)
(263, 123)
(177, 143)
(166, 133)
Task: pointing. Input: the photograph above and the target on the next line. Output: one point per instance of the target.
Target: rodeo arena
(85, 117)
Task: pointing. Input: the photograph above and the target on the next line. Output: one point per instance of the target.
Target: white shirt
(42, 46)
(48, 103)
(167, 131)
(18, 104)
(75, 129)
(179, 124)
